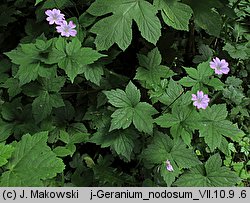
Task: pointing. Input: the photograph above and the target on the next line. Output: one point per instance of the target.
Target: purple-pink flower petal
(67, 29)
(200, 94)
(169, 167)
(201, 100)
(194, 97)
(54, 16)
(219, 66)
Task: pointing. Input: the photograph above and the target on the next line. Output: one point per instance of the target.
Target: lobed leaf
(117, 27)
(210, 174)
(176, 15)
(5, 153)
(31, 162)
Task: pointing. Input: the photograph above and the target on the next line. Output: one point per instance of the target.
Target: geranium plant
(124, 93)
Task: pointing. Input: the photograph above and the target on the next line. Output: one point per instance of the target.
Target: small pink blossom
(54, 16)
(219, 66)
(200, 100)
(67, 29)
(169, 167)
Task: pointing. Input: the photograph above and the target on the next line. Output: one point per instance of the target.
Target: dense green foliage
(109, 106)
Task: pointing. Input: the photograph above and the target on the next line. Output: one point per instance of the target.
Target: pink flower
(220, 66)
(200, 100)
(54, 16)
(67, 29)
(169, 167)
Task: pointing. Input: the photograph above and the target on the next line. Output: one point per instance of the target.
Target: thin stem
(116, 74)
(75, 7)
(236, 4)
(218, 94)
(72, 14)
(164, 111)
(79, 92)
(233, 7)
(225, 20)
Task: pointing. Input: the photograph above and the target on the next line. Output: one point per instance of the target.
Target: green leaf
(130, 109)
(86, 19)
(237, 51)
(188, 82)
(234, 94)
(21, 56)
(71, 57)
(182, 121)
(117, 27)
(150, 70)
(62, 151)
(27, 73)
(169, 177)
(82, 176)
(133, 94)
(107, 175)
(214, 125)
(9, 110)
(56, 4)
(93, 73)
(158, 90)
(195, 178)
(210, 21)
(211, 174)
(5, 153)
(124, 145)
(31, 162)
(13, 86)
(122, 141)
(205, 15)
(6, 129)
(30, 72)
(163, 148)
(77, 133)
(58, 51)
(198, 77)
(6, 66)
(167, 120)
(53, 85)
(6, 15)
(225, 146)
(80, 137)
(98, 118)
(74, 64)
(43, 104)
(88, 56)
(122, 118)
(142, 118)
(192, 72)
(213, 163)
(204, 70)
(118, 98)
(206, 53)
(106, 36)
(171, 93)
(216, 84)
(232, 80)
(38, 1)
(77, 128)
(30, 58)
(176, 15)
(64, 136)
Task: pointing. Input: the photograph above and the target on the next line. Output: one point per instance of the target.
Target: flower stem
(79, 92)
(218, 94)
